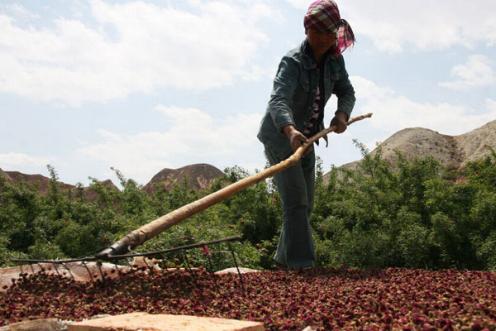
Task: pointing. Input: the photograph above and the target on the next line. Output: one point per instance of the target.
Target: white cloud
(301, 4)
(255, 73)
(18, 11)
(392, 25)
(393, 112)
(477, 72)
(193, 137)
(22, 162)
(491, 104)
(149, 48)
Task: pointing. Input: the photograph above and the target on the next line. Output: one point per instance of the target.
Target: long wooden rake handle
(150, 230)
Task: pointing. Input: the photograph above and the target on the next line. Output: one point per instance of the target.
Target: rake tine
(210, 264)
(56, 269)
(99, 265)
(146, 263)
(165, 259)
(116, 267)
(209, 259)
(176, 261)
(32, 269)
(128, 264)
(87, 269)
(41, 268)
(69, 270)
(188, 266)
(126, 261)
(186, 261)
(237, 267)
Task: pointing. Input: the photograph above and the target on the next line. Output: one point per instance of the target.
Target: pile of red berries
(325, 299)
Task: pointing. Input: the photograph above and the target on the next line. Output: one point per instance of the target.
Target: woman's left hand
(340, 121)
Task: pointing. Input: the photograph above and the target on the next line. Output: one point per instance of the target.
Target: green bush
(413, 214)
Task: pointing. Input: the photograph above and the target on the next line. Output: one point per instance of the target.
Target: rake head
(97, 267)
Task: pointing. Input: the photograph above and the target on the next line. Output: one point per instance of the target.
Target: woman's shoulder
(299, 56)
(296, 53)
(339, 59)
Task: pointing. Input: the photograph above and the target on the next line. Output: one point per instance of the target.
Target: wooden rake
(157, 226)
(119, 251)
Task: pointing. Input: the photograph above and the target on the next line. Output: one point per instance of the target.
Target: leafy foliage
(412, 214)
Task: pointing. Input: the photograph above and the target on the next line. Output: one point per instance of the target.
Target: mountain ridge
(453, 152)
(195, 176)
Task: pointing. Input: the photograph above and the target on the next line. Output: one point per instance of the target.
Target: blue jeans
(296, 188)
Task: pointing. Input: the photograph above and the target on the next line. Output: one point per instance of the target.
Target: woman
(306, 78)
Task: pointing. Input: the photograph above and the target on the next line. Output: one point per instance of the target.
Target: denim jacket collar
(308, 60)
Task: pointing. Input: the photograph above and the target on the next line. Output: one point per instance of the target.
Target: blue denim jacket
(294, 92)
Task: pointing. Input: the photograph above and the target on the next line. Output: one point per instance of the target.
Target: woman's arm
(344, 91)
(281, 98)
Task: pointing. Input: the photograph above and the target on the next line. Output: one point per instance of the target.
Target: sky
(146, 85)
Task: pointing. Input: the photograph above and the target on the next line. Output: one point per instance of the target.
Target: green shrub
(413, 214)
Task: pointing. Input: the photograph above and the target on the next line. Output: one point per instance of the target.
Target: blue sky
(146, 85)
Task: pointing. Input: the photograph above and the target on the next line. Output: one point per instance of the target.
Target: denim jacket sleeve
(344, 90)
(281, 98)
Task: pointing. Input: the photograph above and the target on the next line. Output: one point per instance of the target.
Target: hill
(39, 182)
(196, 177)
(453, 152)
(42, 184)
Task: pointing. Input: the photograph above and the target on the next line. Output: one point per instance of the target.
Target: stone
(49, 324)
(164, 322)
(233, 270)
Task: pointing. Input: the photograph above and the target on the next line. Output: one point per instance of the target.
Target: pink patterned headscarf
(323, 15)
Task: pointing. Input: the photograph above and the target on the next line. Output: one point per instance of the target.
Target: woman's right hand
(296, 138)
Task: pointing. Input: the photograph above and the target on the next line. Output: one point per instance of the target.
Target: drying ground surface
(397, 299)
